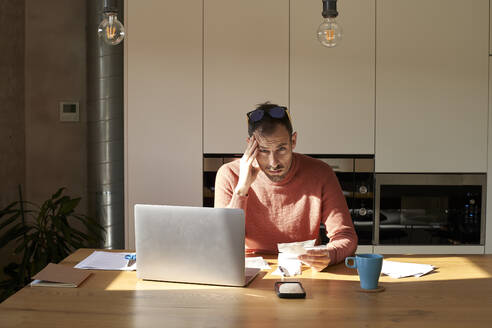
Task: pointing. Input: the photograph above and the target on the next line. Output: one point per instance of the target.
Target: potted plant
(41, 235)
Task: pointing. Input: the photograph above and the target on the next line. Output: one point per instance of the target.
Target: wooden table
(457, 294)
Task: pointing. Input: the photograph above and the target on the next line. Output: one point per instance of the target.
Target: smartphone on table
(289, 289)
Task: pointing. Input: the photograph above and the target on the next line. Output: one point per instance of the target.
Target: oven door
(356, 178)
(430, 209)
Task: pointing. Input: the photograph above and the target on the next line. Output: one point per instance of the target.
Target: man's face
(274, 154)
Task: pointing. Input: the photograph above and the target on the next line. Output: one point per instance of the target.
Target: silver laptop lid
(190, 244)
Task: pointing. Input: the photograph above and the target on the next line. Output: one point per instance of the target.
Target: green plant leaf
(25, 268)
(21, 247)
(90, 223)
(66, 248)
(57, 193)
(11, 269)
(95, 230)
(45, 233)
(67, 233)
(12, 234)
(68, 206)
(51, 248)
(31, 250)
(42, 214)
(9, 220)
(80, 235)
(56, 223)
(61, 200)
(8, 208)
(7, 284)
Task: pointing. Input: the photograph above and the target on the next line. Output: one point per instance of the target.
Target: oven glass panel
(430, 215)
(358, 189)
(209, 188)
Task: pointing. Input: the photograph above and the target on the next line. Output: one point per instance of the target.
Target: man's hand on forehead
(248, 169)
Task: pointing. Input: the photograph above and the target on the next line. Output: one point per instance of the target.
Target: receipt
(296, 248)
(288, 263)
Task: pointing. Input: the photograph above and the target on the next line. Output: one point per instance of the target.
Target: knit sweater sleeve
(338, 222)
(225, 182)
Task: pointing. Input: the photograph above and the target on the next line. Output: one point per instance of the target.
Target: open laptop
(191, 244)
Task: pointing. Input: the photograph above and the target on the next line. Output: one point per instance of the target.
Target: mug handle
(347, 259)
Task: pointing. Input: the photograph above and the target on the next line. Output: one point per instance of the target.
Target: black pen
(284, 271)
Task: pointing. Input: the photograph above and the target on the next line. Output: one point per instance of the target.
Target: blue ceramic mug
(369, 268)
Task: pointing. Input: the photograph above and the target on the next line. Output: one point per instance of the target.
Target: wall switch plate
(69, 111)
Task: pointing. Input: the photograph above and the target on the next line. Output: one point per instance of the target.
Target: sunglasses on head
(275, 112)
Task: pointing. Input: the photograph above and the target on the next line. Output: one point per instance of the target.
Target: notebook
(58, 275)
(191, 244)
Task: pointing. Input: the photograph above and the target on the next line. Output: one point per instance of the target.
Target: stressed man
(285, 195)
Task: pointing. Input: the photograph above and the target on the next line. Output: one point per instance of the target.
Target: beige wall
(55, 71)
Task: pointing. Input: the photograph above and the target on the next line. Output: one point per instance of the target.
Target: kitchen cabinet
(246, 62)
(163, 105)
(431, 85)
(490, 26)
(332, 89)
(488, 213)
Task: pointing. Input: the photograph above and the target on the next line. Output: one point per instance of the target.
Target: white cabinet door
(431, 85)
(332, 89)
(488, 212)
(163, 105)
(490, 26)
(246, 62)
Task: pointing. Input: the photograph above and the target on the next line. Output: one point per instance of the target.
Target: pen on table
(284, 271)
(132, 258)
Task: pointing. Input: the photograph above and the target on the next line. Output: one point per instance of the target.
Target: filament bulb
(111, 30)
(329, 32)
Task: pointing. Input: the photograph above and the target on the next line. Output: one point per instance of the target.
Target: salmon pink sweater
(292, 209)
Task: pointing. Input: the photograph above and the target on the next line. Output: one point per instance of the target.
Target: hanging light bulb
(110, 29)
(329, 32)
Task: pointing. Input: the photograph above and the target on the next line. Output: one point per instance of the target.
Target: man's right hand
(248, 169)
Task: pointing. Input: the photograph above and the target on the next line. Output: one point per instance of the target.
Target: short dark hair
(268, 124)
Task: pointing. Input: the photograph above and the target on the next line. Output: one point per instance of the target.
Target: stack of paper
(108, 261)
(400, 270)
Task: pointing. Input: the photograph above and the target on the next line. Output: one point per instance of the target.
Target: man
(285, 195)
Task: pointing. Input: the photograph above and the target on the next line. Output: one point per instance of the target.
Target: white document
(288, 265)
(107, 261)
(296, 248)
(401, 270)
(256, 262)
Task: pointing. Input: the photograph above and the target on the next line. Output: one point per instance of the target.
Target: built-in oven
(211, 164)
(430, 209)
(356, 177)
